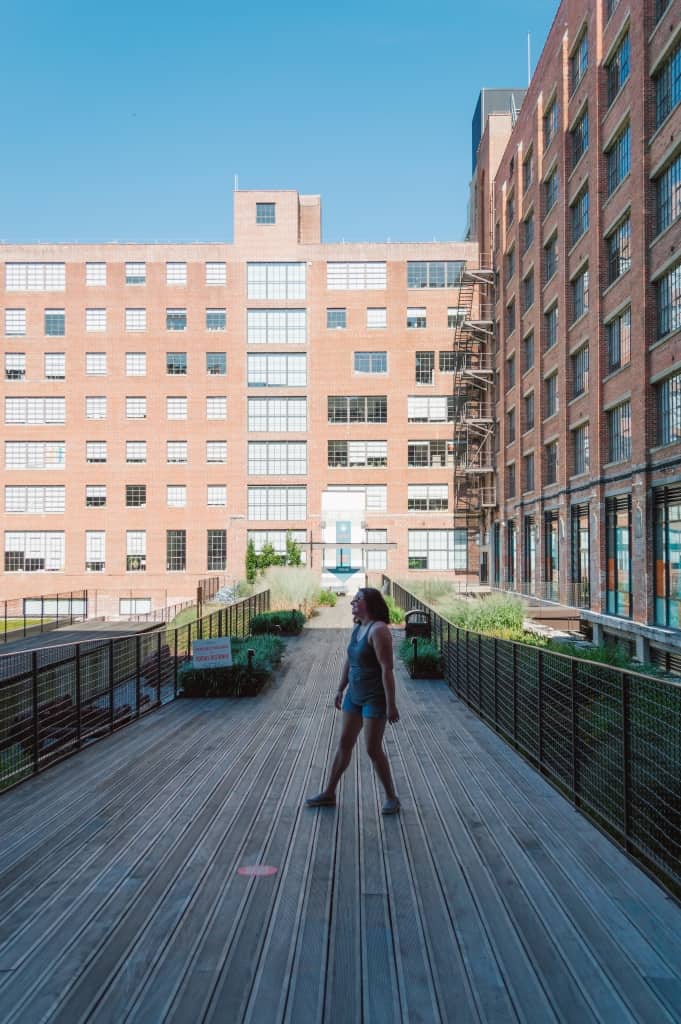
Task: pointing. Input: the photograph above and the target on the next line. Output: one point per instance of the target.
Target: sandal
(321, 800)
(391, 806)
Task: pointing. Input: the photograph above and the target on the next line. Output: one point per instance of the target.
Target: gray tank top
(365, 677)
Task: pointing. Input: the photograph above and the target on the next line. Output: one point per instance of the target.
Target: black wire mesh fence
(609, 739)
(55, 700)
(25, 616)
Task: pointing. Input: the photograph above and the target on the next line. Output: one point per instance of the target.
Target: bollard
(415, 645)
(251, 655)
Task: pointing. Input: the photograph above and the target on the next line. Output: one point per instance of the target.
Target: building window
(425, 367)
(618, 556)
(550, 258)
(216, 555)
(176, 550)
(668, 86)
(580, 448)
(617, 69)
(430, 408)
(277, 371)
(34, 552)
(580, 295)
(35, 277)
(176, 273)
(55, 323)
(510, 210)
(370, 362)
(510, 317)
(135, 273)
(136, 550)
(135, 319)
(95, 320)
(216, 451)
(510, 426)
(357, 454)
(135, 495)
(95, 364)
(135, 364)
(176, 408)
(357, 409)
(580, 551)
(277, 458)
(551, 462)
(176, 452)
(336, 319)
(456, 317)
(528, 351)
(95, 451)
(429, 454)
(277, 503)
(438, 550)
(528, 171)
(136, 452)
(579, 138)
(551, 395)
(55, 365)
(34, 411)
(669, 301)
(135, 408)
(579, 61)
(434, 273)
(216, 363)
(216, 272)
(15, 323)
(509, 264)
(618, 334)
(216, 407)
(580, 371)
(618, 248)
(176, 363)
(550, 191)
(447, 361)
(277, 326)
(618, 160)
(276, 280)
(95, 274)
(510, 480)
(528, 472)
(668, 557)
(416, 316)
(610, 8)
(277, 415)
(669, 410)
(95, 496)
(510, 371)
(265, 213)
(216, 319)
(660, 7)
(39, 500)
(528, 231)
(95, 407)
(15, 365)
(176, 496)
(668, 195)
(579, 215)
(277, 539)
(134, 606)
(550, 123)
(527, 292)
(427, 497)
(176, 319)
(619, 432)
(528, 411)
(377, 318)
(35, 455)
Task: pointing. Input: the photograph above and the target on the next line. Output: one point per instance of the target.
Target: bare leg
(352, 726)
(375, 727)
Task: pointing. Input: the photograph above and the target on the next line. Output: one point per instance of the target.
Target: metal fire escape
(473, 398)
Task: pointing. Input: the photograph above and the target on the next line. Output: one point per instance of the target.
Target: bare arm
(382, 641)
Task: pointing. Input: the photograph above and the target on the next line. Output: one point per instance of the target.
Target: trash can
(417, 623)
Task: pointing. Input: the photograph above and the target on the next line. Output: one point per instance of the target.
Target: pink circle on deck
(257, 870)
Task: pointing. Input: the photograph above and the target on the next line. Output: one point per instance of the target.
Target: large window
(276, 326)
(375, 495)
(430, 408)
(617, 69)
(216, 451)
(216, 495)
(95, 274)
(668, 195)
(136, 550)
(277, 415)
(551, 462)
(176, 363)
(216, 553)
(551, 191)
(216, 272)
(619, 432)
(135, 452)
(668, 556)
(579, 215)
(336, 319)
(669, 301)
(580, 449)
(528, 231)
(550, 262)
(95, 364)
(618, 556)
(35, 277)
(15, 322)
(580, 548)
(356, 276)
(135, 495)
(357, 454)
(277, 503)
(551, 553)
(618, 334)
(370, 362)
(358, 409)
(429, 454)
(95, 496)
(528, 411)
(580, 294)
(424, 367)
(39, 500)
(618, 160)
(528, 471)
(15, 365)
(277, 539)
(55, 323)
(176, 273)
(176, 550)
(135, 273)
(216, 407)
(527, 287)
(176, 407)
(95, 407)
(550, 327)
(550, 123)
(434, 273)
(669, 410)
(377, 318)
(177, 452)
(265, 213)
(95, 451)
(55, 365)
(276, 280)
(135, 364)
(580, 371)
(668, 86)
(40, 551)
(95, 320)
(550, 395)
(35, 454)
(135, 319)
(427, 497)
(277, 458)
(176, 319)
(216, 363)
(438, 549)
(618, 248)
(579, 137)
(216, 319)
(277, 371)
(35, 411)
(135, 407)
(579, 61)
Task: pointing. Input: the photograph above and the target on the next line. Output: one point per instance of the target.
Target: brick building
(164, 403)
(578, 196)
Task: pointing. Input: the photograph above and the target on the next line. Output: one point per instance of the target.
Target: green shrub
(327, 597)
(429, 663)
(236, 680)
(289, 622)
(396, 614)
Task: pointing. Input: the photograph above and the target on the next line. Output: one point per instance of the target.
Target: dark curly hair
(375, 602)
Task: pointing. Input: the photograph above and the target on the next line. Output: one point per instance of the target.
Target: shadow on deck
(489, 898)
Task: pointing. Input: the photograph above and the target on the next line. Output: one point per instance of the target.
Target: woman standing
(370, 699)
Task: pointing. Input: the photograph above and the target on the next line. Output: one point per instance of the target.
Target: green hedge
(429, 663)
(236, 680)
(289, 622)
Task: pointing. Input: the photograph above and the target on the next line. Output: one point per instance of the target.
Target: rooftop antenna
(236, 182)
(529, 64)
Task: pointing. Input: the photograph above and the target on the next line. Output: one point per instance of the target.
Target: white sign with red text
(212, 653)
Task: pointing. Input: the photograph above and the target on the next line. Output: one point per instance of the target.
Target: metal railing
(26, 616)
(608, 739)
(56, 700)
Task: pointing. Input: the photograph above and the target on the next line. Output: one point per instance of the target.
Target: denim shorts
(377, 709)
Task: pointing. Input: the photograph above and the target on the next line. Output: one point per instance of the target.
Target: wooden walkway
(487, 899)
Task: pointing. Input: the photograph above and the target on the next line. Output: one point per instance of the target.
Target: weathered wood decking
(488, 899)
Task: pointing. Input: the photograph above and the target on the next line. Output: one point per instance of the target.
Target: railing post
(79, 734)
(479, 672)
(449, 653)
(515, 693)
(138, 684)
(36, 724)
(496, 684)
(540, 707)
(111, 685)
(175, 664)
(626, 761)
(574, 732)
(468, 668)
(158, 666)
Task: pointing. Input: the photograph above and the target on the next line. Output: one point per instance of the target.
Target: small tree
(267, 557)
(251, 562)
(293, 556)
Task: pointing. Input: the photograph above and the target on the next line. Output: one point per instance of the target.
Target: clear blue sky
(128, 121)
